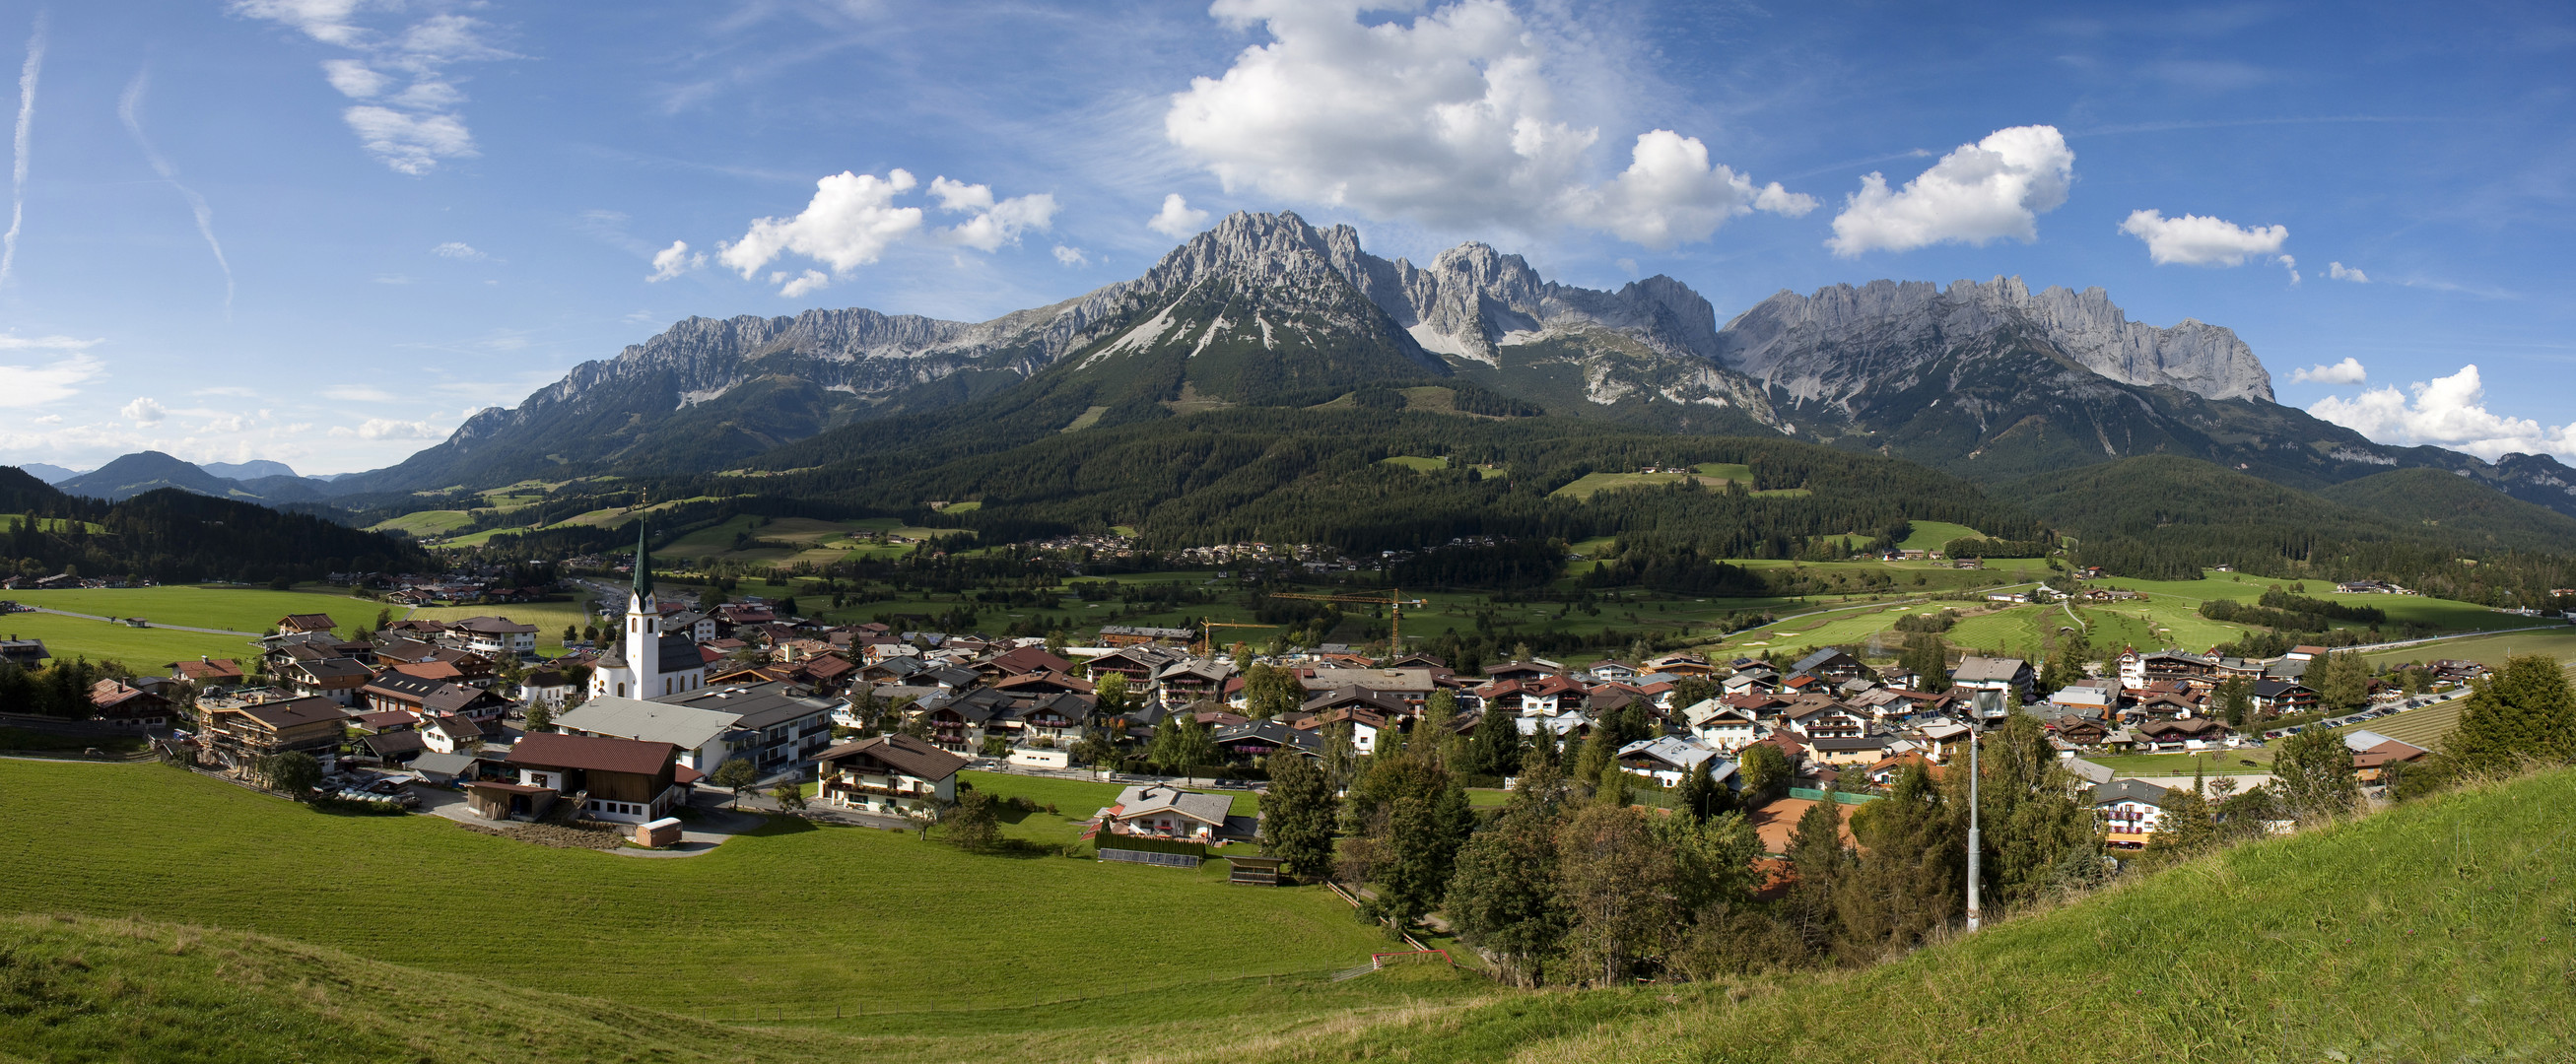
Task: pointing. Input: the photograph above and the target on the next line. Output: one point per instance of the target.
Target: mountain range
(1990, 381)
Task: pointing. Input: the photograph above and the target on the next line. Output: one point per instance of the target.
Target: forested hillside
(170, 535)
(2169, 518)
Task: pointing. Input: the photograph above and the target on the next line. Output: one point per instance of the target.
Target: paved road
(171, 627)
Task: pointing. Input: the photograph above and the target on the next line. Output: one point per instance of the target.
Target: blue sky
(323, 231)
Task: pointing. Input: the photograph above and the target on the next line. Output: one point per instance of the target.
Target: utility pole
(1976, 844)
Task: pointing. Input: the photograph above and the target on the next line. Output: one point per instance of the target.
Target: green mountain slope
(2437, 500)
(2441, 930)
(2168, 516)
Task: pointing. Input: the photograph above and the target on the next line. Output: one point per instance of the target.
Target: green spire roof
(643, 565)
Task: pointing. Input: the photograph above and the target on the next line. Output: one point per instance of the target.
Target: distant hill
(2461, 504)
(251, 470)
(50, 474)
(143, 471)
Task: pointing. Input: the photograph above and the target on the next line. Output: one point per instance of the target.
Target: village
(686, 702)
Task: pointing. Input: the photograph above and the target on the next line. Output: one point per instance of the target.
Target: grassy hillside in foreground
(2442, 930)
(795, 916)
(76, 988)
(2437, 931)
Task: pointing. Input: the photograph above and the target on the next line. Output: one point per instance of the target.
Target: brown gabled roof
(308, 622)
(908, 755)
(290, 713)
(221, 669)
(1030, 659)
(593, 753)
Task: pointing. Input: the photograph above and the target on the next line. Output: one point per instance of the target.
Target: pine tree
(1816, 850)
(1496, 748)
(2525, 712)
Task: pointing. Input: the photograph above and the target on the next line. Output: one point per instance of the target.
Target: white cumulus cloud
(850, 223)
(143, 412)
(2348, 371)
(1993, 189)
(995, 223)
(458, 249)
(1449, 119)
(854, 219)
(1177, 219)
(1071, 256)
(2341, 272)
(2447, 412)
(800, 284)
(2193, 240)
(675, 260)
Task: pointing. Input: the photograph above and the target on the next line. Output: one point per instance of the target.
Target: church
(649, 662)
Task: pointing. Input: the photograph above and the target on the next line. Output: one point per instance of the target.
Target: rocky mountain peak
(1802, 343)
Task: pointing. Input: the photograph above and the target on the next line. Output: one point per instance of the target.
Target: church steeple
(643, 566)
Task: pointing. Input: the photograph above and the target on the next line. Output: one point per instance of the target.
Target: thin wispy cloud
(416, 127)
(129, 109)
(18, 155)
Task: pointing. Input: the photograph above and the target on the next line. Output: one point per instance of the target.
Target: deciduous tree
(1298, 816)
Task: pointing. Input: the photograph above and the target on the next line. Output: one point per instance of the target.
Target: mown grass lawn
(797, 915)
(232, 608)
(2253, 761)
(144, 650)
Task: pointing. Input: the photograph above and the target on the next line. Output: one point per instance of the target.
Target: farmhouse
(889, 774)
(300, 623)
(618, 780)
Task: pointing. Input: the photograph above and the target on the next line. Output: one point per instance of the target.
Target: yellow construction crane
(1207, 637)
(1395, 611)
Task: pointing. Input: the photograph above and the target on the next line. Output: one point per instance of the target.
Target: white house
(1664, 759)
(1163, 811)
(494, 637)
(1722, 727)
(2130, 810)
(889, 774)
(450, 734)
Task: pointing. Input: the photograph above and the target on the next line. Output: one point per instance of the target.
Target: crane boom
(1395, 610)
